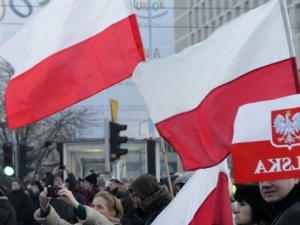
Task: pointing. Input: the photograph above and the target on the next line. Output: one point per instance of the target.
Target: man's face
(276, 190)
(103, 176)
(123, 187)
(88, 185)
(50, 147)
(113, 185)
(15, 186)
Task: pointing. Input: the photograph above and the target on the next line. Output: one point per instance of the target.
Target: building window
(192, 39)
(191, 21)
(210, 9)
(199, 37)
(203, 10)
(229, 16)
(221, 21)
(297, 18)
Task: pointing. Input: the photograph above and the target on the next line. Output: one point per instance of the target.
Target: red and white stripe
(193, 96)
(204, 199)
(69, 51)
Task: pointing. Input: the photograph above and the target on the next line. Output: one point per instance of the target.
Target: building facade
(195, 20)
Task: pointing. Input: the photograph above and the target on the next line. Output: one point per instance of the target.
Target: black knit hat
(92, 178)
(144, 186)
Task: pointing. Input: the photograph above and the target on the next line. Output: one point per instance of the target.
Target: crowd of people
(100, 199)
(96, 200)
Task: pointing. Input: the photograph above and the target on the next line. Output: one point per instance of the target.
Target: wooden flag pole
(167, 167)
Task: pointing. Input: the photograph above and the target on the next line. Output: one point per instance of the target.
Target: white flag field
(198, 91)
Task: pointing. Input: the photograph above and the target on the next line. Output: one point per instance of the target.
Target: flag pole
(167, 167)
(289, 37)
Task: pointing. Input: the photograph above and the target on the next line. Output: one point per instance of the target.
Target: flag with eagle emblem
(267, 139)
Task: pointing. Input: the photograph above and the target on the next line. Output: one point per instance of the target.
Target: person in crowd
(22, 203)
(164, 181)
(181, 181)
(51, 158)
(284, 196)
(113, 187)
(64, 210)
(34, 193)
(7, 211)
(107, 210)
(91, 189)
(251, 208)
(126, 201)
(104, 176)
(101, 184)
(81, 182)
(149, 197)
(77, 189)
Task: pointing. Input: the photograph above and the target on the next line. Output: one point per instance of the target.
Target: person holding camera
(107, 209)
(64, 210)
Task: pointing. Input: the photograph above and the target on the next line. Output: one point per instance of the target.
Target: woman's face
(100, 205)
(243, 214)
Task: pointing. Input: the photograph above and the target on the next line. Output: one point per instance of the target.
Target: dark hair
(48, 143)
(261, 210)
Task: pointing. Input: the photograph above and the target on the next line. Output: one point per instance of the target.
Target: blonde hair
(112, 203)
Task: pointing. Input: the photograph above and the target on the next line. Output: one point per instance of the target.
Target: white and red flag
(204, 199)
(69, 51)
(193, 96)
(266, 140)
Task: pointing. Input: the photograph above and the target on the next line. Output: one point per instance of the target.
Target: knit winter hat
(144, 186)
(101, 182)
(183, 178)
(92, 178)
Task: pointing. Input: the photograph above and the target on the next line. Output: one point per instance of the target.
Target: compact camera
(52, 192)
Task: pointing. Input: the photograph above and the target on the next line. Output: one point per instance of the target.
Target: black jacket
(288, 210)
(7, 212)
(23, 206)
(128, 206)
(152, 206)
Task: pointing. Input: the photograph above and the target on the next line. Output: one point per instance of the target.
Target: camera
(62, 167)
(52, 192)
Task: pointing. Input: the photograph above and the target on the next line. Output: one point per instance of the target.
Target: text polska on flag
(266, 140)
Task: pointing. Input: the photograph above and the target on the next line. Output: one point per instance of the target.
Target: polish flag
(193, 96)
(204, 199)
(267, 139)
(68, 52)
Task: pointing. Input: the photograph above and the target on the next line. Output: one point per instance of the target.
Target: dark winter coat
(23, 206)
(128, 206)
(288, 210)
(152, 206)
(7, 212)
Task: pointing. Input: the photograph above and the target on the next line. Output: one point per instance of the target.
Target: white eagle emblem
(287, 128)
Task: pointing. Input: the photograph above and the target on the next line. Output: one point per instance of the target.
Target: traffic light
(8, 168)
(115, 140)
(24, 161)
